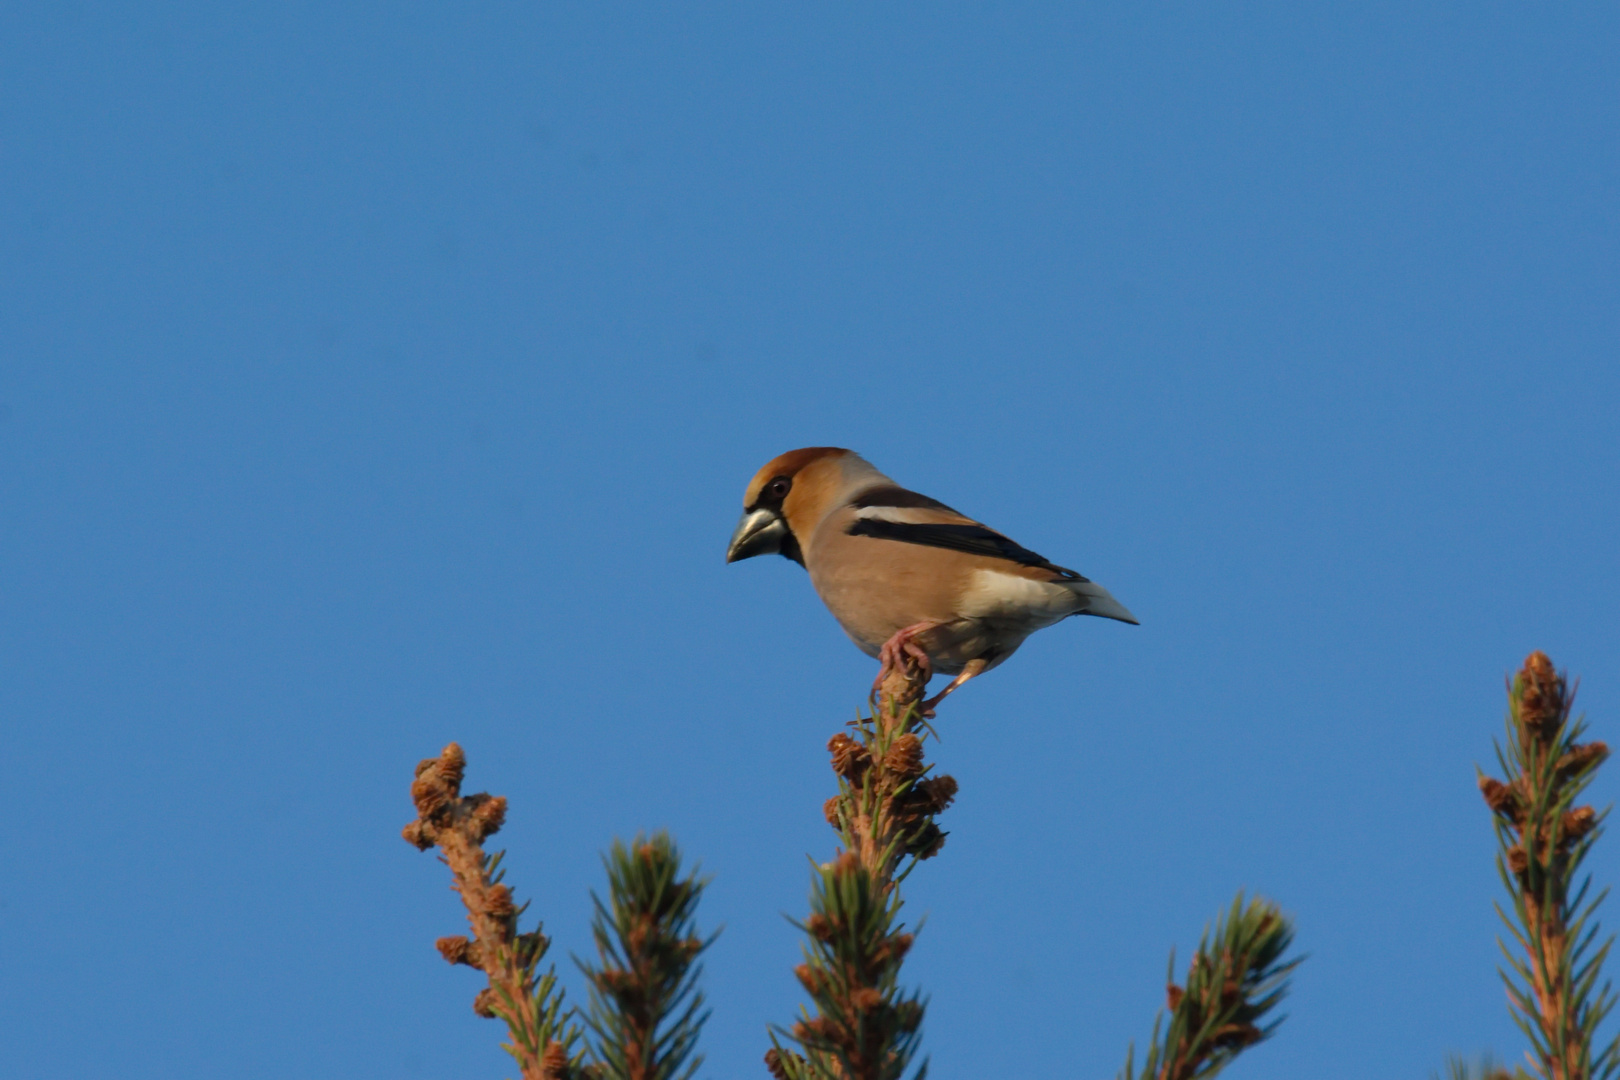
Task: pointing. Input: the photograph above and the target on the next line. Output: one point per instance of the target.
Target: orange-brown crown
(789, 466)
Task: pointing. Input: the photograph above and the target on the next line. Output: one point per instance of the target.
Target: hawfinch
(903, 573)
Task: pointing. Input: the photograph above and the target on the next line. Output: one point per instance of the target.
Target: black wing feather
(972, 539)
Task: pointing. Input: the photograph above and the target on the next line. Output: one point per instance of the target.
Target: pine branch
(864, 1026)
(1237, 976)
(646, 1008)
(1553, 976)
(542, 1033)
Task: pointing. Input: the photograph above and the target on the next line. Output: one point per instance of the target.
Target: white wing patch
(904, 515)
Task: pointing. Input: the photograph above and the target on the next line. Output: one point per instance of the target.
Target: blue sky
(373, 376)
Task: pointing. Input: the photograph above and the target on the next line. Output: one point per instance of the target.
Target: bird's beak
(1099, 601)
(760, 532)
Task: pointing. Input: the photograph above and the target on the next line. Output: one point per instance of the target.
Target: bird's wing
(896, 514)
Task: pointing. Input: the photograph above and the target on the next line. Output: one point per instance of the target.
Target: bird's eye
(779, 487)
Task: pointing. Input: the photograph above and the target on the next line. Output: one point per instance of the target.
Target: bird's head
(790, 495)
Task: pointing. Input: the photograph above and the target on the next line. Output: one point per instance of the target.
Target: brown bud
(1173, 995)
(1577, 823)
(866, 999)
(829, 809)
(554, 1063)
(419, 834)
(642, 931)
(430, 795)
(457, 950)
(938, 793)
(1500, 797)
(498, 902)
(849, 758)
(488, 815)
(1517, 860)
(773, 1062)
(891, 950)
(452, 766)
(926, 842)
(905, 756)
(809, 978)
(818, 927)
(484, 1004)
(1580, 758)
(822, 1026)
(1541, 695)
(612, 981)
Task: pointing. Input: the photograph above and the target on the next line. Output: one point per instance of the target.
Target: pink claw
(894, 652)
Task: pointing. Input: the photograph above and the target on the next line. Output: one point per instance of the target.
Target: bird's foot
(901, 654)
(974, 667)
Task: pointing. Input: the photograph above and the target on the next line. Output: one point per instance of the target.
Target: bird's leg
(973, 667)
(900, 649)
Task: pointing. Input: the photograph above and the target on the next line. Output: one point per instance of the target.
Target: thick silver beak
(1099, 601)
(760, 532)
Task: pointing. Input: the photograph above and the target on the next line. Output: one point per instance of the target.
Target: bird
(904, 574)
